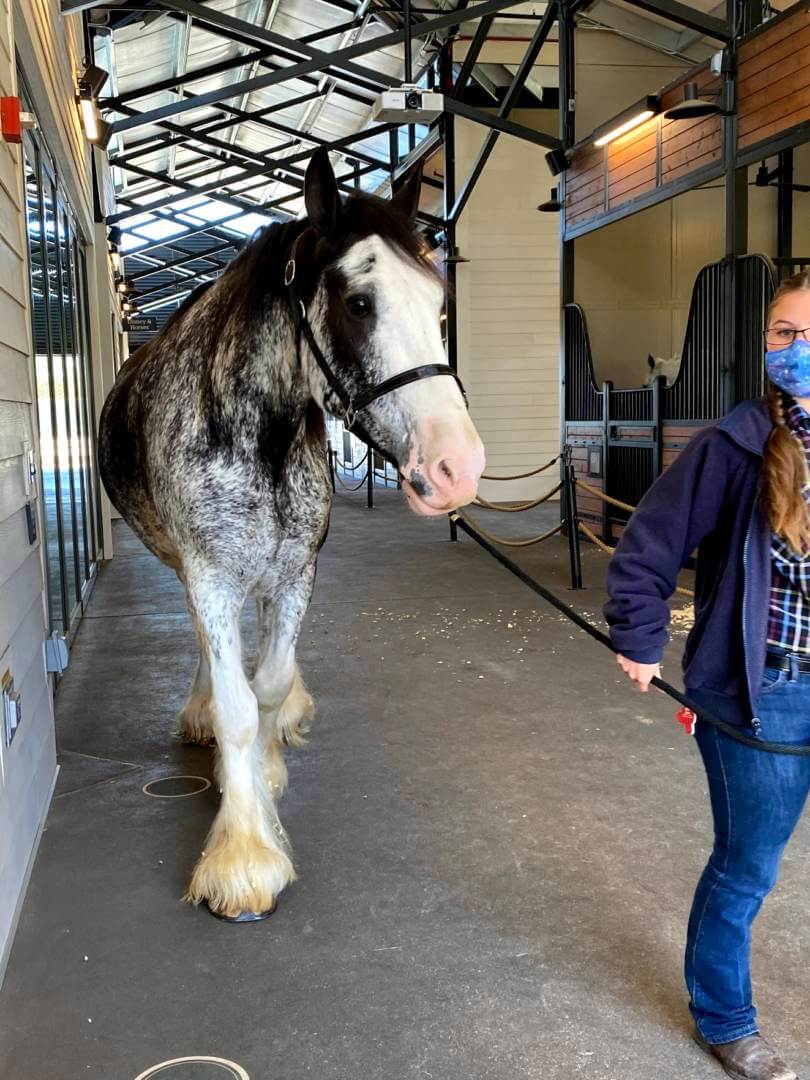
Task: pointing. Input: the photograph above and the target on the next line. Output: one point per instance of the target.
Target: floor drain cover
(195, 1068)
(176, 787)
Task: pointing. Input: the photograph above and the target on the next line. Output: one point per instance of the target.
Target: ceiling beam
(499, 124)
(686, 16)
(186, 133)
(315, 140)
(186, 189)
(167, 267)
(181, 80)
(203, 189)
(522, 73)
(211, 17)
(335, 59)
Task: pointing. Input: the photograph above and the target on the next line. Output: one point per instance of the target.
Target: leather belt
(784, 662)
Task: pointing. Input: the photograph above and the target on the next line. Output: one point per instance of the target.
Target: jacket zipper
(755, 721)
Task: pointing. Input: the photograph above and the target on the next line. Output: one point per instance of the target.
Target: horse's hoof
(243, 916)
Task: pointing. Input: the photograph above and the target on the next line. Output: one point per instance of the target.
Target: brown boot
(750, 1058)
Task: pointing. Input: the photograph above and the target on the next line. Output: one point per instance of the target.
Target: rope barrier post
(370, 479)
(453, 531)
(572, 523)
(331, 457)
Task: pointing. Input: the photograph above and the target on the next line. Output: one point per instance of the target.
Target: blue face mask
(789, 369)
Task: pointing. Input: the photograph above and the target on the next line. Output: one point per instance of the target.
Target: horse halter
(352, 404)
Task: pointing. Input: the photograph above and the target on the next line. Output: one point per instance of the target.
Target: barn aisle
(496, 840)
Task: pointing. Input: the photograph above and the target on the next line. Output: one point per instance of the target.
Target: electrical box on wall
(12, 707)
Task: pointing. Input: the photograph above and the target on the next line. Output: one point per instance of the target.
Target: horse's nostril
(446, 471)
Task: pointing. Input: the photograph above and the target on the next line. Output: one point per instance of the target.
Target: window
(64, 389)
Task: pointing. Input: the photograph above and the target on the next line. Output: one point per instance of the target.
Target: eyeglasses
(784, 335)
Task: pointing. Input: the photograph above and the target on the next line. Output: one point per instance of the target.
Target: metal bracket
(56, 654)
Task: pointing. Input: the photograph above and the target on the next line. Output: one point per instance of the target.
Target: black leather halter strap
(352, 404)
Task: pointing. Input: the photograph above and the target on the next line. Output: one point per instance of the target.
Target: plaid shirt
(789, 615)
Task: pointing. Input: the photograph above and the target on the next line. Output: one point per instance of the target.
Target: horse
(212, 448)
(658, 365)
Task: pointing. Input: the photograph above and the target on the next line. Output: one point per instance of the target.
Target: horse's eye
(359, 306)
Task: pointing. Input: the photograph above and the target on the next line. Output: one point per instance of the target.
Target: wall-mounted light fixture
(113, 247)
(557, 161)
(125, 285)
(96, 130)
(696, 103)
(626, 121)
(552, 205)
(454, 256)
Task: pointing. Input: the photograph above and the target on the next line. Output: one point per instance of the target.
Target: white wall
(634, 280)
(28, 766)
(50, 51)
(508, 308)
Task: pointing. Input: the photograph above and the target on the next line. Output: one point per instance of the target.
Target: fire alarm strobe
(12, 121)
(407, 105)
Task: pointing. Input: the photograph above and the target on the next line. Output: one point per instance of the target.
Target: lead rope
(660, 684)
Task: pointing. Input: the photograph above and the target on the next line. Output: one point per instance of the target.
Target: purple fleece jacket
(708, 499)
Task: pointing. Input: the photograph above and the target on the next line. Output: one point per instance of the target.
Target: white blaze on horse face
(443, 457)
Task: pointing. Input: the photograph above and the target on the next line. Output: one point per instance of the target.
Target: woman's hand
(641, 674)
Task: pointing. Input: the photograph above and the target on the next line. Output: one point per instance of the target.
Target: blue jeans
(757, 798)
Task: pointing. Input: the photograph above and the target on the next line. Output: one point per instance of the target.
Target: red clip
(687, 719)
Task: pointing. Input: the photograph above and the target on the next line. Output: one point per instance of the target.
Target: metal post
(449, 131)
(407, 20)
(736, 220)
(658, 387)
(567, 137)
(331, 457)
(606, 389)
(784, 206)
(571, 519)
(370, 479)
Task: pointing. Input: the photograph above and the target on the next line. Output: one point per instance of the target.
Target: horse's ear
(651, 362)
(406, 200)
(321, 195)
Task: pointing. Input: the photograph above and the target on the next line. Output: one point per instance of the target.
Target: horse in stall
(212, 447)
(669, 367)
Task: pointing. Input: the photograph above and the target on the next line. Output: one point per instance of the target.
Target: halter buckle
(289, 272)
(349, 416)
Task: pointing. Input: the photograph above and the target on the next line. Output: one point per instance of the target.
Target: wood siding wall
(509, 315)
(774, 79)
(648, 160)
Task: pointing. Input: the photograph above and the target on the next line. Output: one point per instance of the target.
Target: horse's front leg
(244, 865)
(285, 707)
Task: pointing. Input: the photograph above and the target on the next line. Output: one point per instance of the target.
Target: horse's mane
(256, 275)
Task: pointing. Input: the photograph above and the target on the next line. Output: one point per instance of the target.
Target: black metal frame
(279, 60)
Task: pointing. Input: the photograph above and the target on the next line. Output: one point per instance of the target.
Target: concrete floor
(497, 843)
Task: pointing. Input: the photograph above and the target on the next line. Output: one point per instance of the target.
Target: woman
(740, 494)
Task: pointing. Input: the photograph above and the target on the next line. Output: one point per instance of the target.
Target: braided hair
(784, 469)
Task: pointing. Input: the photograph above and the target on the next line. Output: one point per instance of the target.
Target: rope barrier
(506, 543)
(605, 498)
(351, 487)
(594, 539)
(525, 475)
(608, 550)
(660, 684)
(520, 507)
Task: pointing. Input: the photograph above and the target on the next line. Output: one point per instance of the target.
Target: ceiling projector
(407, 105)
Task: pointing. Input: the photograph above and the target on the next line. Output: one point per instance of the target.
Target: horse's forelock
(256, 275)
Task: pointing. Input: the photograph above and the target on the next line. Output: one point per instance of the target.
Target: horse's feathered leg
(285, 706)
(244, 865)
